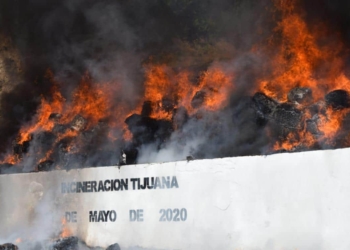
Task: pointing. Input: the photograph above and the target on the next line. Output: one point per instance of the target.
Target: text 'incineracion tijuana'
(165, 182)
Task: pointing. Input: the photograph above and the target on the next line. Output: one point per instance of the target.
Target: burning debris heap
(287, 90)
(68, 139)
(289, 122)
(300, 117)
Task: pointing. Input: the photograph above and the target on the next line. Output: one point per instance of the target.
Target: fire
(45, 110)
(331, 123)
(127, 136)
(11, 159)
(217, 86)
(299, 63)
(301, 57)
(298, 57)
(165, 89)
(89, 102)
(164, 85)
(66, 232)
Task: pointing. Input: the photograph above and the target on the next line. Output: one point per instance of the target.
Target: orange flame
(298, 59)
(299, 63)
(163, 83)
(66, 232)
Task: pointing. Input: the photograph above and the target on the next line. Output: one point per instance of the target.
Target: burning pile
(288, 92)
(66, 132)
(302, 124)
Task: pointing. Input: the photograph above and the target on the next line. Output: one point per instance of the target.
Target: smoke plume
(88, 83)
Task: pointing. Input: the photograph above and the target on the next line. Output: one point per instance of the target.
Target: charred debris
(301, 115)
(55, 149)
(68, 243)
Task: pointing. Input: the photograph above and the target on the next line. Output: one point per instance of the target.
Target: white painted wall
(282, 201)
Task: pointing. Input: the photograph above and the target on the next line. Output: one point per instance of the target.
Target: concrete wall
(282, 201)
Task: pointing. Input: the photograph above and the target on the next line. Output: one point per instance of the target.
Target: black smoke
(112, 40)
